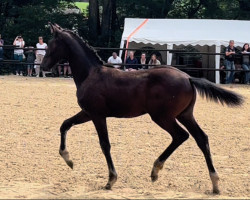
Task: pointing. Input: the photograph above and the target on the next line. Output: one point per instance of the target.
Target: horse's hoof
(108, 186)
(112, 180)
(154, 178)
(156, 168)
(70, 163)
(216, 191)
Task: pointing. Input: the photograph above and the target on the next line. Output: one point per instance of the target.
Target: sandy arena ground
(32, 110)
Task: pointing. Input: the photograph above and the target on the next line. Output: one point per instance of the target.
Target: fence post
(217, 64)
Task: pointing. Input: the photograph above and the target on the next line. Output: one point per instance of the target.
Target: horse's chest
(88, 100)
(84, 101)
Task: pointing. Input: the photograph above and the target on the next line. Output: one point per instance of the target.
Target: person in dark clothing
(229, 61)
(246, 62)
(143, 62)
(222, 73)
(30, 58)
(1, 47)
(133, 61)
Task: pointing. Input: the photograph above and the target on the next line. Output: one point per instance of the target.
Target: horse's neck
(81, 64)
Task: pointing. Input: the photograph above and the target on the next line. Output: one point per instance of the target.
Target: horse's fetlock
(158, 164)
(63, 152)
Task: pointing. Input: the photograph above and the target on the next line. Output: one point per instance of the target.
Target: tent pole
(121, 46)
(169, 55)
(217, 64)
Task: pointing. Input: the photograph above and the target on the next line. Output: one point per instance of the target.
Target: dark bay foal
(165, 93)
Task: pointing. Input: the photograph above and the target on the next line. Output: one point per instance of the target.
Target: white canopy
(186, 32)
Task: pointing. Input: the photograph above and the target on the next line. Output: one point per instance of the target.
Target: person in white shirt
(154, 61)
(40, 55)
(114, 59)
(18, 54)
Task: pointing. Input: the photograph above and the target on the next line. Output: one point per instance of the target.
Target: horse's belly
(127, 114)
(126, 110)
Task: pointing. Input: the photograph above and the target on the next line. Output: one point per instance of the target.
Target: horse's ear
(51, 27)
(54, 29)
(59, 27)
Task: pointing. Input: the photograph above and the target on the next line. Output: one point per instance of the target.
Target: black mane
(84, 44)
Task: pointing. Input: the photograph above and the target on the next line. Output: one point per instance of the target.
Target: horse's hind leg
(79, 118)
(179, 135)
(201, 139)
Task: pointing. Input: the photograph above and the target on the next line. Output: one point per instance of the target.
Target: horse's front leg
(101, 127)
(79, 118)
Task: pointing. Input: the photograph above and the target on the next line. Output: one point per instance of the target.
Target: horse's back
(159, 89)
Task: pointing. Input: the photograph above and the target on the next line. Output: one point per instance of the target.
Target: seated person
(65, 64)
(132, 61)
(143, 61)
(114, 59)
(153, 61)
(30, 59)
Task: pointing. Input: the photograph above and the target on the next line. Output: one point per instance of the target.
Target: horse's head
(57, 49)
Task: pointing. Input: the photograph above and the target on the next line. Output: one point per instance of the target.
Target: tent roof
(186, 31)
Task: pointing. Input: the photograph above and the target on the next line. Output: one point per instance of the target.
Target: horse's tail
(216, 93)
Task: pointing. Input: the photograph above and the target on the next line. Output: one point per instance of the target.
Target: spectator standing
(30, 58)
(18, 54)
(143, 61)
(114, 59)
(246, 62)
(132, 61)
(153, 61)
(40, 55)
(1, 47)
(229, 61)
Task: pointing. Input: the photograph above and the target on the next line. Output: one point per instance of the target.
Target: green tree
(105, 21)
(29, 18)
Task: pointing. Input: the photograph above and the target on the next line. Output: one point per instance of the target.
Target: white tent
(186, 32)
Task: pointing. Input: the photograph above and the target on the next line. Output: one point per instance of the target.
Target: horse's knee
(65, 126)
